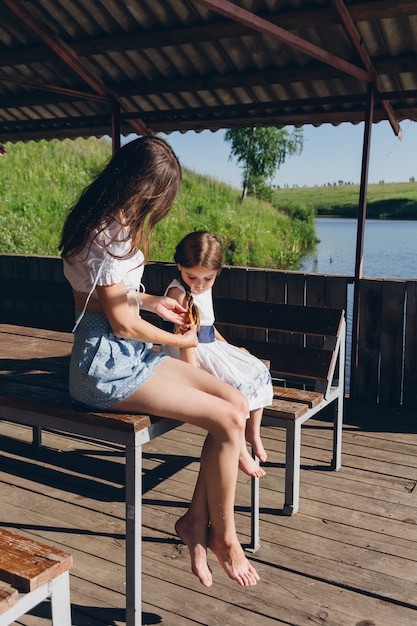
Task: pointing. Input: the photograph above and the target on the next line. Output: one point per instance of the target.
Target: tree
(261, 151)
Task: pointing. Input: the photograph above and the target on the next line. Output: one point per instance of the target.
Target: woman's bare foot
(248, 465)
(196, 542)
(233, 561)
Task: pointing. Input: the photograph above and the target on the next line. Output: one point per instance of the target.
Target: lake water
(390, 248)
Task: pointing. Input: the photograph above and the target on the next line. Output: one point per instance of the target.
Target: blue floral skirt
(105, 369)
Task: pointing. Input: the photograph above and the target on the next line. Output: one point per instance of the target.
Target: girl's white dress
(227, 362)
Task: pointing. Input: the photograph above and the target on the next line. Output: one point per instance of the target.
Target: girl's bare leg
(198, 398)
(253, 434)
(247, 464)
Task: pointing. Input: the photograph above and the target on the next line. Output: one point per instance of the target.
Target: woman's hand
(167, 308)
(188, 339)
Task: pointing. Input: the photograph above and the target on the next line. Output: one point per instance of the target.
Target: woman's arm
(124, 323)
(187, 354)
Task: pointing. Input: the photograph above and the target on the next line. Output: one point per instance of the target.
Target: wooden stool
(30, 572)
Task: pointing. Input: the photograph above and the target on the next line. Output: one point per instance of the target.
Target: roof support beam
(233, 12)
(355, 38)
(70, 58)
(73, 93)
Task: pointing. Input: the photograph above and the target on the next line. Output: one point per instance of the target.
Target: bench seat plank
(311, 398)
(286, 409)
(56, 403)
(34, 392)
(28, 564)
(8, 596)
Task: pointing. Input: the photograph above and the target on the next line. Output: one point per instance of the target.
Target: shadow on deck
(348, 558)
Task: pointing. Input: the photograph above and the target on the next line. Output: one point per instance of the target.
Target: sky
(330, 154)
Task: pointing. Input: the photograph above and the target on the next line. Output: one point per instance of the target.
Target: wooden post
(115, 127)
(361, 233)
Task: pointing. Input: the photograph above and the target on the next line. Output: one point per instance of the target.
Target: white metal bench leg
(337, 434)
(60, 600)
(134, 534)
(57, 589)
(292, 467)
(254, 512)
(339, 406)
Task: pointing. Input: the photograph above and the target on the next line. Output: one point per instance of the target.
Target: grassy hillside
(384, 201)
(39, 182)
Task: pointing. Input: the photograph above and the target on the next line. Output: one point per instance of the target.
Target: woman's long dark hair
(137, 188)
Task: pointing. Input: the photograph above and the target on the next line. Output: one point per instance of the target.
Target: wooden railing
(382, 370)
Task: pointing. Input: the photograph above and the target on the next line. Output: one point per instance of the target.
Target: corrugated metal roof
(169, 65)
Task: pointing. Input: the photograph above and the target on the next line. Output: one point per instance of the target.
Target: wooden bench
(31, 572)
(306, 349)
(34, 392)
(304, 345)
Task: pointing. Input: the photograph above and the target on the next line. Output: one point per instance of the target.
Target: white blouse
(95, 266)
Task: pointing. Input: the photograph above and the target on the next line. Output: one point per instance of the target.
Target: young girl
(113, 365)
(199, 260)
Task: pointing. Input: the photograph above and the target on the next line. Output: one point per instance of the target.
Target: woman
(113, 365)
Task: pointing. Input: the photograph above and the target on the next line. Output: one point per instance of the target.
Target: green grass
(40, 181)
(384, 201)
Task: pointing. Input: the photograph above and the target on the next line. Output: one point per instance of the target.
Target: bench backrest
(302, 343)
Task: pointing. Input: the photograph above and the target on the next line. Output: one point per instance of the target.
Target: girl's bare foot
(196, 542)
(248, 465)
(233, 561)
(257, 446)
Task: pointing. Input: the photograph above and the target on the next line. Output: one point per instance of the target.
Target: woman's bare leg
(198, 398)
(253, 434)
(192, 528)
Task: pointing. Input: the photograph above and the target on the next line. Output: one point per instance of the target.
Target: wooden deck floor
(348, 558)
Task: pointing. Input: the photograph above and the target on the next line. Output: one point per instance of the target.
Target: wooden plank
(289, 318)
(350, 553)
(392, 340)
(35, 331)
(57, 403)
(292, 361)
(286, 409)
(276, 287)
(337, 291)
(315, 290)
(410, 369)
(8, 596)
(28, 564)
(257, 286)
(311, 398)
(315, 296)
(295, 288)
(367, 370)
(237, 288)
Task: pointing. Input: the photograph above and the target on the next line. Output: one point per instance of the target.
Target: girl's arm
(124, 323)
(218, 336)
(187, 354)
